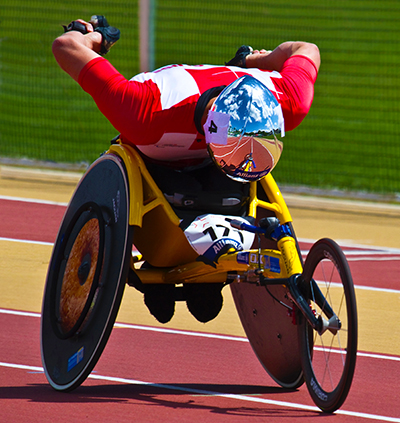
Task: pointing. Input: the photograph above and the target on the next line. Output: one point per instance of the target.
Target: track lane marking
(370, 288)
(386, 250)
(26, 241)
(214, 394)
(196, 334)
(362, 287)
(33, 200)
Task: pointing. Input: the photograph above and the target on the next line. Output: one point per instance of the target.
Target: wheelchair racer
(170, 116)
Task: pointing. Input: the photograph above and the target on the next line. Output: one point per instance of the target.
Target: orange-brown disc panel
(79, 274)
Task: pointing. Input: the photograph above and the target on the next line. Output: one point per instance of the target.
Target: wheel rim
(329, 357)
(330, 349)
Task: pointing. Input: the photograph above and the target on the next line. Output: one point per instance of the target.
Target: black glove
(240, 57)
(75, 26)
(110, 35)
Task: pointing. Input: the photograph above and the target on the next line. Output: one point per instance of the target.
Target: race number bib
(211, 235)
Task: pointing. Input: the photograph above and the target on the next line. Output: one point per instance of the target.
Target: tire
(329, 360)
(86, 276)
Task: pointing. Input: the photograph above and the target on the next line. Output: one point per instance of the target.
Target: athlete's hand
(110, 34)
(79, 25)
(240, 57)
(262, 51)
(97, 23)
(243, 53)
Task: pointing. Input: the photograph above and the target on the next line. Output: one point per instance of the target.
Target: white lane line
(370, 252)
(19, 313)
(379, 356)
(371, 255)
(196, 334)
(33, 200)
(363, 255)
(394, 258)
(370, 288)
(359, 354)
(25, 241)
(366, 256)
(214, 394)
(362, 287)
(22, 367)
(375, 250)
(181, 332)
(353, 245)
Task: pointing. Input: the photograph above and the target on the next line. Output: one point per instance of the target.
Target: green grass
(349, 140)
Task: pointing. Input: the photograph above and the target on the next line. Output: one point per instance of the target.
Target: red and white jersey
(155, 110)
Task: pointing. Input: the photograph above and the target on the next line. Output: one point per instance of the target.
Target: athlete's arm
(74, 50)
(274, 60)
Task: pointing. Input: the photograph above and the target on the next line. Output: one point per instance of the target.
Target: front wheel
(86, 275)
(329, 355)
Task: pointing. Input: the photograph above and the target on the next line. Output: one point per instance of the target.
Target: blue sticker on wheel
(75, 359)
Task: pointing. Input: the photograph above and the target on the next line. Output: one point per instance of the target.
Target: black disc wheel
(329, 353)
(270, 331)
(86, 275)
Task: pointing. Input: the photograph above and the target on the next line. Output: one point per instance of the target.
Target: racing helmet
(242, 130)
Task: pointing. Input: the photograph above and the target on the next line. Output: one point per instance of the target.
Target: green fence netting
(350, 139)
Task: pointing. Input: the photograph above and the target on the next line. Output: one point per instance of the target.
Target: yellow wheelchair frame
(283, 311)
(151, 213)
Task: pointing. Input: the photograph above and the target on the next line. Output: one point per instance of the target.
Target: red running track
(153, 376)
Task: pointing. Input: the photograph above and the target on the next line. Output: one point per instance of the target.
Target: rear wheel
(329, 360)
(86, 275)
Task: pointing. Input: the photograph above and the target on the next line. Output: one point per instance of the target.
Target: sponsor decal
(250, 176)
(220, 247)
(267, 262)
(75, 359)
(318, 391)
(116, 204)
(272, 263)
(329, 256)
(243, 258)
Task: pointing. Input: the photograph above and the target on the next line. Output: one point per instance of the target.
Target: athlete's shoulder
(300, 65)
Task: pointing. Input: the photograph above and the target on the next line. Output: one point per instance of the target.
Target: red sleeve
(128, 105)
(296, 86)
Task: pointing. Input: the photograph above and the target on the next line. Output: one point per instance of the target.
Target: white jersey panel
(174, 83)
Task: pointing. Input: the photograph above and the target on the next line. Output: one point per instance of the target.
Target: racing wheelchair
(300, 318)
